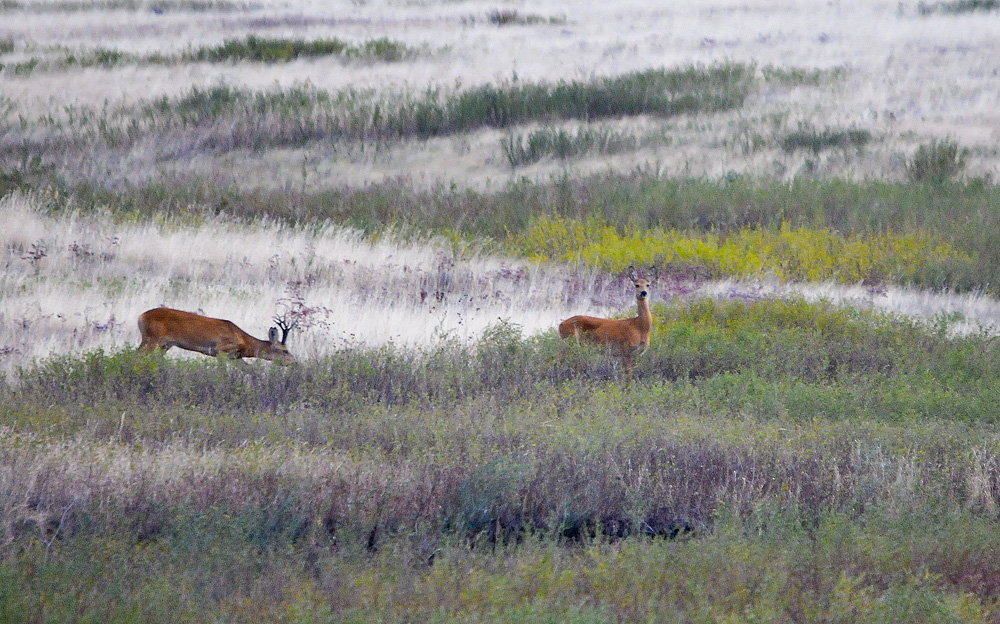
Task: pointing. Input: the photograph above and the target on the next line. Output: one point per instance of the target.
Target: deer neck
(645, 318)
(259, 347)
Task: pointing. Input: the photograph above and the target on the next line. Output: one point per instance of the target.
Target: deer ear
(632, 275)
(272, 335)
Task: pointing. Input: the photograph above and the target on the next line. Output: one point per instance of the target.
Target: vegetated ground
(428, 187)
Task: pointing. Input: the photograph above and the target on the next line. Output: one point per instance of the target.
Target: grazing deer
(162, 328)
(624, 338)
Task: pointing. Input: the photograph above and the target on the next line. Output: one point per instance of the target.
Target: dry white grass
(907, 77)
(74, 284)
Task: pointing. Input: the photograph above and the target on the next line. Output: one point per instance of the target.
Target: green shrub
(937, 161)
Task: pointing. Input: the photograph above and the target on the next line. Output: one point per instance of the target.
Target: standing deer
(624, 338)
(162, 328)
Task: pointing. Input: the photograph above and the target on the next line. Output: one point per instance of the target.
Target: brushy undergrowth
(839, 461)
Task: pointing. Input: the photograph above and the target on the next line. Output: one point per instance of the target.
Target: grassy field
(429, 188)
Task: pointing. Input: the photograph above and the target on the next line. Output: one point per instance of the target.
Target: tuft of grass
(252, 49)
(271, 50)
(562, 144)
(937, 162)
(957, 7)
(817, 141)
(794, 76)
(28, 175)
(510, 17)
(652, 92)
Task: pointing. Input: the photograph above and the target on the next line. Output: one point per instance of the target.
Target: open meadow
(427, 188)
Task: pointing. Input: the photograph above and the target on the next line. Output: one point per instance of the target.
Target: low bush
(937, 161)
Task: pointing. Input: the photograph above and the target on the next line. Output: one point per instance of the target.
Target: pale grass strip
(77, 283)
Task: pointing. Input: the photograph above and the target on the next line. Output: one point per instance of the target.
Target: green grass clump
(511, 17)
(271, 50)
(793, 339)
(795, 254)
(563, 144)
(937, 162)
(252, 48)
(794, 76)
(956, 7)
(818, 141)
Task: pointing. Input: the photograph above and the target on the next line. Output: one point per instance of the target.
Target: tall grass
(817, 141)
(351, 115)
(958, 216)
(225, 118)
(562, 144)
(75, 282)
(957, 7)
(269, 50)
(252, 48)
(846, 458)
(937, 161)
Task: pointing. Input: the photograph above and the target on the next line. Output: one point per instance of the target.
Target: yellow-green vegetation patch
(787, 253)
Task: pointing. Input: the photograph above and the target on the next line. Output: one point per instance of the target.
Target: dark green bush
(937, 162)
